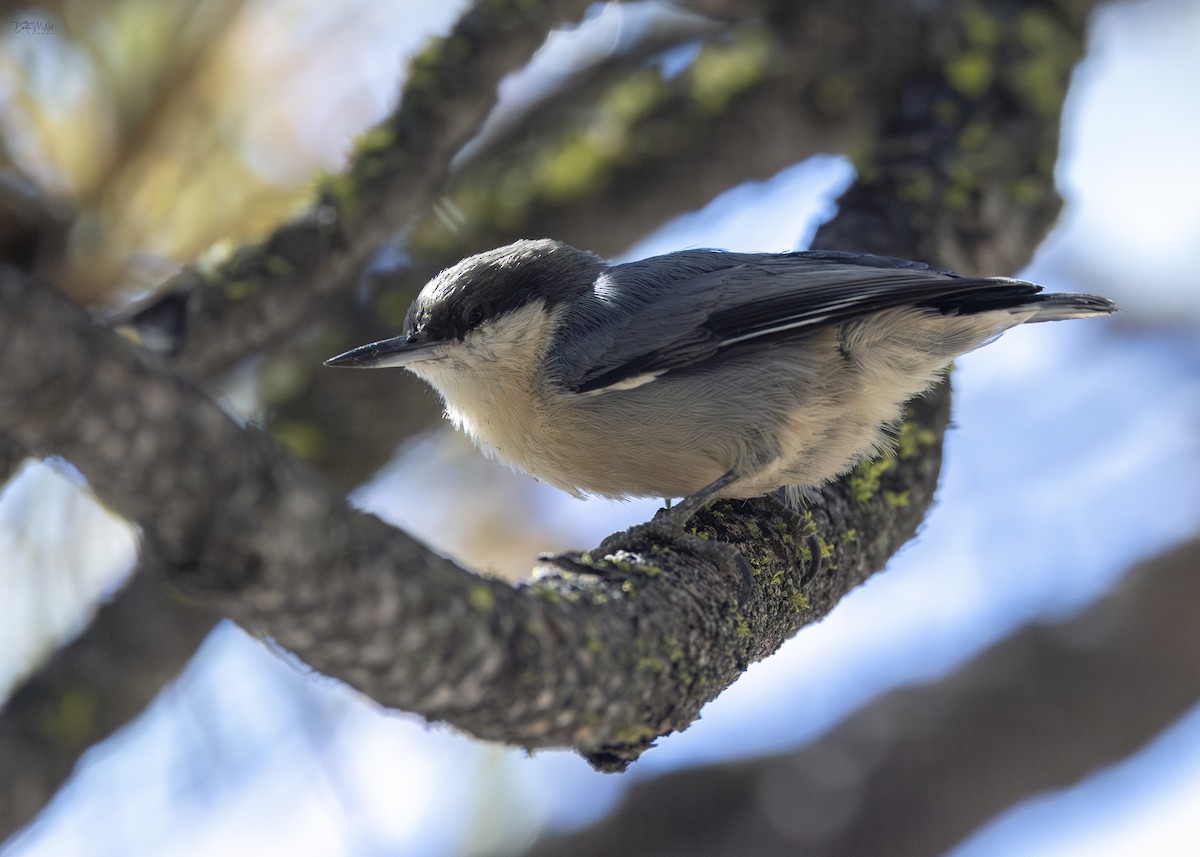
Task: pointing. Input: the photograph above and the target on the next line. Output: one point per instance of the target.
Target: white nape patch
(630, 383)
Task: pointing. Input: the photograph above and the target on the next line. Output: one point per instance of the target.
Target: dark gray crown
(488, 285)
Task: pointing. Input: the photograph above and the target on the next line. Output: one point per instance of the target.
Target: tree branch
(136, 642)
(266, 292)
(11, 456)
(1038, 711)
(606, 651)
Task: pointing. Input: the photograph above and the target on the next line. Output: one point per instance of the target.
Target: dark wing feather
(678, 311)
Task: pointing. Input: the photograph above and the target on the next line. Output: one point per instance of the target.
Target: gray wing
(681, 311)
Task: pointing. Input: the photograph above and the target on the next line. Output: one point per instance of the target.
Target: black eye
(474, 316)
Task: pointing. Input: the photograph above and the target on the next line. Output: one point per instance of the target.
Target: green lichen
(276, 265)
(1050, 54)
(674, 649)
(970, 73)
(799, 602)
(722, 71)
(757, 562)
(824, 546)
(865, 478)
(369, 154)
(72, 721)
(304, 439)
(651, 663)
(571, 170)
(981, 29)
(547, 593)
(974, 136)
(635, 735)
(896, 499)
(1030, 190)
(427, 70)
(913, 436)
(634, 97)
(482, 598)
(338, 190)
(239, 290)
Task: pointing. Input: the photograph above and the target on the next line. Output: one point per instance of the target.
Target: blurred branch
(751, 104)
(193, 32)
(31, 225)
(557, 109)
(90, 688)
(265, 292)
(915, 772)
(11, 456)
(605, 652)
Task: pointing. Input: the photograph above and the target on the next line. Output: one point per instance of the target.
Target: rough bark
(918, 770)
(216, 318)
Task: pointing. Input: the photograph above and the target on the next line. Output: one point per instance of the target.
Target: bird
(699, 374)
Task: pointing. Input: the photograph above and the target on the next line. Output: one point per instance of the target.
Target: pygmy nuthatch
(698, 374)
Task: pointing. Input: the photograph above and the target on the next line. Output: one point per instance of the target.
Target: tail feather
(1020, 297)
(1056, 307)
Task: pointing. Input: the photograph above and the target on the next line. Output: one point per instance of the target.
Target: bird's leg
(677, 516)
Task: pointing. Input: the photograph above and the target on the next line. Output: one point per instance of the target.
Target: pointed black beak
(398, 351)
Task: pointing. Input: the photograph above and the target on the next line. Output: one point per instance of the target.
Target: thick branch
(1036, 712)
(265, 292)
(624, 646)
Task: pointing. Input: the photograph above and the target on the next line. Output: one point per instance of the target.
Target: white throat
(489, 381)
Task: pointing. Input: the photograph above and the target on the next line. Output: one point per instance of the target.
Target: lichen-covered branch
(1035, 712)
(608, 651)
(265, 292)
